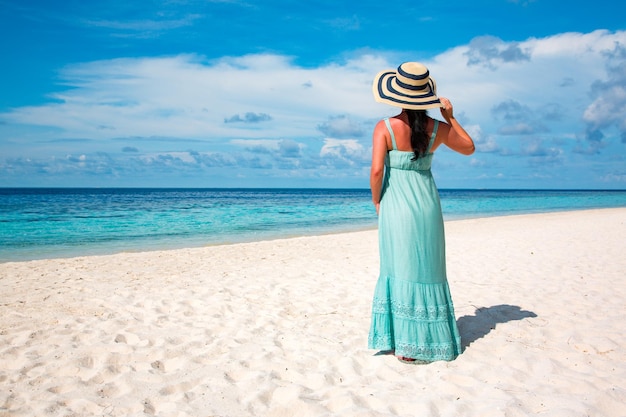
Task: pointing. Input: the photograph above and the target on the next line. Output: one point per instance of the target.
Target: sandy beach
(279, 328)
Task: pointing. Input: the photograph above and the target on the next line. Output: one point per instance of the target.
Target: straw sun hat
(409, 87)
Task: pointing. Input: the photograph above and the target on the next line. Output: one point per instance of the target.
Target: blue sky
(230, 93)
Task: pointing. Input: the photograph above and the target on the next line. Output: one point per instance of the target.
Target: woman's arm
(456, 138)
(379, 151)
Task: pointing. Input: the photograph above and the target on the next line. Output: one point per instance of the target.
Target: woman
(412, 312)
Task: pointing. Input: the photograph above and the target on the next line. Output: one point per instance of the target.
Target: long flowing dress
(412, 311)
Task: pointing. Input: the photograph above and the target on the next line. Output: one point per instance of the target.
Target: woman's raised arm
(456, 138)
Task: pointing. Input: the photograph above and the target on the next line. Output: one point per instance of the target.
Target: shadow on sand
(485, 320)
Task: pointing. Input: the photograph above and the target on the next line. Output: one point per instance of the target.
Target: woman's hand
(446, 109)
(455, 137)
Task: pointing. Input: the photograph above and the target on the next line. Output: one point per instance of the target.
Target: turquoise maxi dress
(412, 311)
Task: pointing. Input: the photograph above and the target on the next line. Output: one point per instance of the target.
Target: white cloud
(186, 96)
(249, 117)
(547, 90)
(285, 148)
(341, 127)
(143, 28)
(348, 150)
(609, 105)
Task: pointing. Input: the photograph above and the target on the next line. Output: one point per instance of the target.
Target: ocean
(38, 223)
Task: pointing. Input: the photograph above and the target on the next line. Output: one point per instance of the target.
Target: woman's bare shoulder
(381, 127)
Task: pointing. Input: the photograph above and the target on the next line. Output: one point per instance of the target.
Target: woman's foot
(412, 361)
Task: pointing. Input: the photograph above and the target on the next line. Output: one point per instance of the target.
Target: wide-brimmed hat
(409, 87)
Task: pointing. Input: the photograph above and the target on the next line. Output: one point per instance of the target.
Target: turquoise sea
(57, 222)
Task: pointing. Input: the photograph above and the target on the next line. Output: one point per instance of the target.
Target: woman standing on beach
(412, 311)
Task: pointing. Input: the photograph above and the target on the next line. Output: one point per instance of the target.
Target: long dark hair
(418, 120)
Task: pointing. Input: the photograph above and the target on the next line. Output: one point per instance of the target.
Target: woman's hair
(418, 120)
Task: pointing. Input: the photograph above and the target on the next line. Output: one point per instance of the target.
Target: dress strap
(433, 135)
(393, 137)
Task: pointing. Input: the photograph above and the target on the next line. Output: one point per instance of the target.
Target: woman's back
(402, 133)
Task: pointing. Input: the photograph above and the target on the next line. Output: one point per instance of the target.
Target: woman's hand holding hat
(446, 109)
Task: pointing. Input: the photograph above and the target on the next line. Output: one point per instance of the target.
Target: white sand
(279, 328)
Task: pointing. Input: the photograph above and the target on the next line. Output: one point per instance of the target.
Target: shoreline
(279, 327)
(107, 251)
